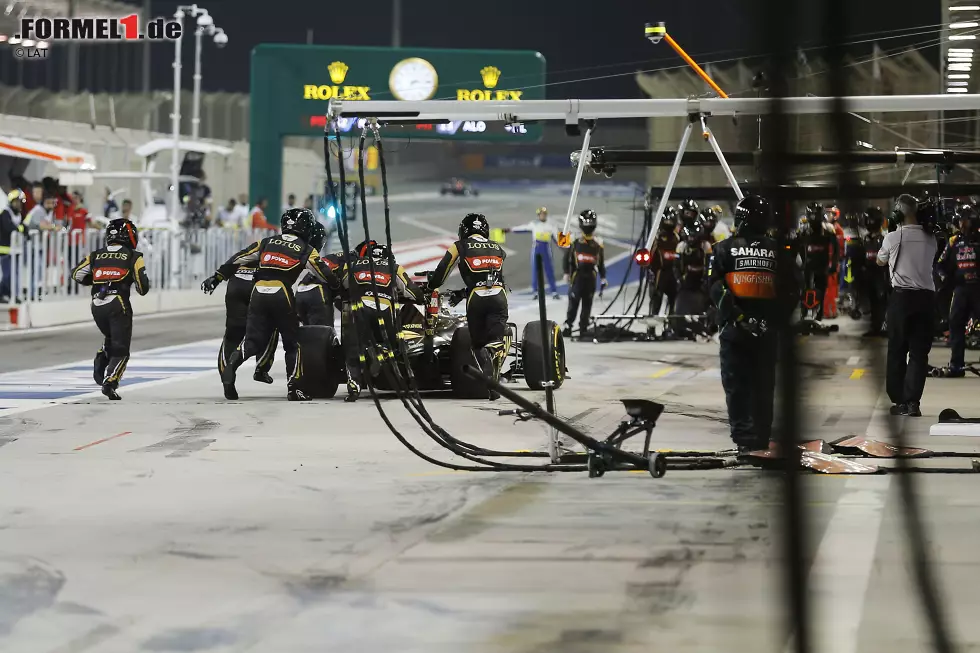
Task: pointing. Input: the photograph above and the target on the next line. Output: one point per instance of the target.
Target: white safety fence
(40, 263)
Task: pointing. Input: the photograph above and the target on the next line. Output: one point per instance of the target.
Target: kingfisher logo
(122, 28)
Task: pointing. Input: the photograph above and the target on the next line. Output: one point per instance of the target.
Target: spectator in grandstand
(36, 197)
(9, 223)
(256, 217)
(290, 202)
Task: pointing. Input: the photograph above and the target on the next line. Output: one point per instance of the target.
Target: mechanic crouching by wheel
(280, 259)
(583, 262)
(111, 271)
(958, 266)
(486, 297)
(373, 306)
(744, 288)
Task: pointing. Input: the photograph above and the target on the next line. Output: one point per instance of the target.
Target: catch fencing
(40, 263)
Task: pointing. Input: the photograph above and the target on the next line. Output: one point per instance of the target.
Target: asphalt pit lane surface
(190, 639)
(185, 439)
(27, 586)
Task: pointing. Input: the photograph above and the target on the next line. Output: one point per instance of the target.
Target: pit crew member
(663, 274)
(111, 271)
(280, 259)
(585, 263)
(744, 288)
(373, 301)
(486, 296)
(958, 266)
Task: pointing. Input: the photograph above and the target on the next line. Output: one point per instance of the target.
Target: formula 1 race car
(458, 187)
(437, 347)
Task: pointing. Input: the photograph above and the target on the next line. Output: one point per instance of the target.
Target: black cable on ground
(389, 368)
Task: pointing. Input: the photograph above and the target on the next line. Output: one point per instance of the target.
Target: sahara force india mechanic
(111, 271)
(373, 298)
(744, 288)
(280, 259)
(583, 260)
(486, 297)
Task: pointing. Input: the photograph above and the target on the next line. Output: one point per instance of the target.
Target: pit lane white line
(842, 568)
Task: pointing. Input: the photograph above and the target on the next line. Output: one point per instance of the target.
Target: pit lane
(176, 521)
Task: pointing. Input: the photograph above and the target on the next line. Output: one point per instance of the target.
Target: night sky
(606, 41)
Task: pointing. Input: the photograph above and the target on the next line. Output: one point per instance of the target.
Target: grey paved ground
(266, 526)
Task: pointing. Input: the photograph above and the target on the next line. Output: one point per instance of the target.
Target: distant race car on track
(458, 187)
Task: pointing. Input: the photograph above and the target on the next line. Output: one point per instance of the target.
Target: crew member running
(111, 271)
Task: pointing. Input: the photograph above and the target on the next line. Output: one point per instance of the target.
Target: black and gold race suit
(315, 299)
(373, 300)
(663, 273)
(279, 261)
(112, 271)
(585, 264)
(744, 288)
(241, 280)
(958, 264)
(481, 265)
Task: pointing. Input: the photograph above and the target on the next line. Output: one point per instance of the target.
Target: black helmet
(122, 232)
(366, 248)
(814, 213)
(317, 235)
(753, 215)
(474, 223)
(966, 218)
(669, 221)
(688, 211)
(709, 218)
(873, 219)
(587, 221)
(298, 222)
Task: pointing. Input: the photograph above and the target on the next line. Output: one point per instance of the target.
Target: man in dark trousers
(958, 266)
(111, 271)
(874, 278)
(481, 263)
(663, 277)
(744, 288)
(280, 259)
(9, 225)
(909, 253)
(585, 263)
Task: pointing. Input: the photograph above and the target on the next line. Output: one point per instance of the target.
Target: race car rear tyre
(460, 355)
(322, 361)
(533, 355)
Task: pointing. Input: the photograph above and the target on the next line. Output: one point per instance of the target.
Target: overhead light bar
(958, 76)
(963, 37)
(960, 50)
(960, 66)
(965, 25)
(958, 89)
(965, 8)
(957, 83)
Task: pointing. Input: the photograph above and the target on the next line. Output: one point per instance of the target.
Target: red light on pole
(642, 257)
